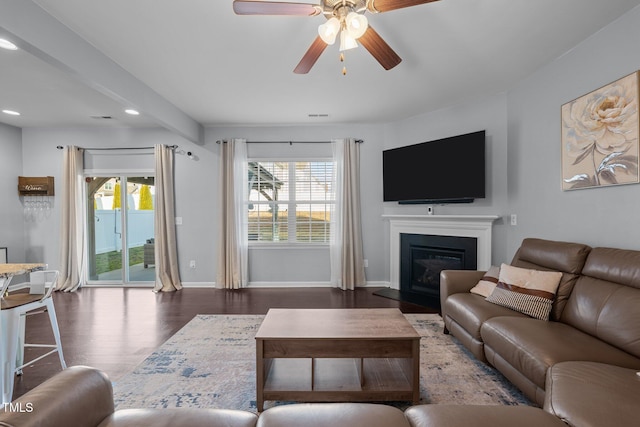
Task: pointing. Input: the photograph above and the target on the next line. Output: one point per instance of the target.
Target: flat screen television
(449, 170)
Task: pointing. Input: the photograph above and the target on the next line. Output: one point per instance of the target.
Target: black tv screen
(449, 170)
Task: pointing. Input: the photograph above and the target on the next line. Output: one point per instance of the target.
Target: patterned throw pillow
(530, 292)
(488, 282)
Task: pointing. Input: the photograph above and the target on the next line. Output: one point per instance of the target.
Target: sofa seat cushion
(470, 311)
(171, 417)
(334, 415)
(593, 394)
(480, 416)
(531, 346)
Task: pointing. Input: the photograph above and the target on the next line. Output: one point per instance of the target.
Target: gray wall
(488, 114)
(600, 216)
(311, 266)
(523, 135)
(11, 213)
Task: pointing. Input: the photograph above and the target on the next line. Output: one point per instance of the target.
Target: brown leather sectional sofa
(594, 325)
(82, 397)
(578, 392)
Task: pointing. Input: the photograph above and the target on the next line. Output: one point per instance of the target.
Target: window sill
(278, 246)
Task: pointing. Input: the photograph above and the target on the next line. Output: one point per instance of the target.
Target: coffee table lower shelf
(343, 379)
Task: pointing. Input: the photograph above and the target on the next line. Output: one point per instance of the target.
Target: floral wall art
(600, 136)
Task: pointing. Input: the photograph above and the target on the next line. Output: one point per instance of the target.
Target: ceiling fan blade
(380, 50)
(378, 6)
(248, 7)
(311, 56)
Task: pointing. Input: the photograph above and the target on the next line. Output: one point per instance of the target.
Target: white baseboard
(198, 284)
(378, 284)
(310, 285)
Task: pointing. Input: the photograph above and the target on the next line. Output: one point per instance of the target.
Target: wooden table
(334, 355)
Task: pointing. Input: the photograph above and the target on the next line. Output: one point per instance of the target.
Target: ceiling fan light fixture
(329, 30)
(347, 42)
(356, 24)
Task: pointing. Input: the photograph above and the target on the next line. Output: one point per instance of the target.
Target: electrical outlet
(366, 263)
(192, 263)
(514, 219)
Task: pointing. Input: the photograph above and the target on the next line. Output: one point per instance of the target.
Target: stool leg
(9, 337)
(21, 341)
(56, 332)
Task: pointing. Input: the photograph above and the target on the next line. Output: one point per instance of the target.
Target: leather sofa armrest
(457, 281)
(79, 396)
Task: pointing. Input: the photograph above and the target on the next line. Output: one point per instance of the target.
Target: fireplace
(423, 257)
(478, 228)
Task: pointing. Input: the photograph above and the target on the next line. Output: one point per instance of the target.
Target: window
(290, 201)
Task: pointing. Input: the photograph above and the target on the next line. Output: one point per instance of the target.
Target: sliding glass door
(120, 234)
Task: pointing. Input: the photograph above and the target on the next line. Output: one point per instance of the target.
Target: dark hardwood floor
(114, 329)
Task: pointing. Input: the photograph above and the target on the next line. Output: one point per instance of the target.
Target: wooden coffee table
(336, 355)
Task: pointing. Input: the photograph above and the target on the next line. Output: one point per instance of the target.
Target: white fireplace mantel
(478, 226)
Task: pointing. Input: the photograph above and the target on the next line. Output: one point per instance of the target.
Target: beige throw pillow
(488, 282)
(528, 291)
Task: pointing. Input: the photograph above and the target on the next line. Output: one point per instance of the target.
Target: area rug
(210, 363)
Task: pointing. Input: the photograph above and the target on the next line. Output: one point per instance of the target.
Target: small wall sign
(35, 186)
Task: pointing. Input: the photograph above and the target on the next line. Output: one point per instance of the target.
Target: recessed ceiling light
(132, 112)
(11, 112)
(6, 44)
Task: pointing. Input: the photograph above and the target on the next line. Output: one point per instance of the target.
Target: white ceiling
(222, 69)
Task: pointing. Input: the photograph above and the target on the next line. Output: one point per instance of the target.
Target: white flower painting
(600, 136)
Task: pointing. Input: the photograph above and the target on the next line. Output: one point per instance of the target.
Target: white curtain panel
(166, 252)
(347, 257)
(233, 194)
(72, 222)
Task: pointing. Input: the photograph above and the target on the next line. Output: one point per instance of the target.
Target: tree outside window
(290, 201)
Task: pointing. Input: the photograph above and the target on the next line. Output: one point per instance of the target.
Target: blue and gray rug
(210, 363)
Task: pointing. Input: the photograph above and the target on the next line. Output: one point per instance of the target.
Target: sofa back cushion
(549, 255)
(605, 301)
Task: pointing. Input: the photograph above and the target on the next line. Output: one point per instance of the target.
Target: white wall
(600, 216)
(11, 212)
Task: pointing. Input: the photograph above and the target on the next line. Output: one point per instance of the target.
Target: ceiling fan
(344, 18)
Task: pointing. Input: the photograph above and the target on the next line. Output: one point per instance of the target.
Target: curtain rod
(60, 147)
(359, 141)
